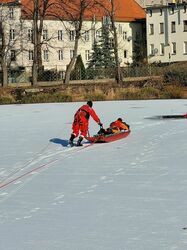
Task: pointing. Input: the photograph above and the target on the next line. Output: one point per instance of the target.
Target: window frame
(185, 26)
(60, 55)
(60, 35)
(46, 55)
(162, 49)
(12, 34)
(45, 35)
(174, 48)
(151, 29)
(31, 55)
(161, 28)
(11, 13)
(13, 55)
(173, 27)
(72, 35)
(87, 55)
(185, 48)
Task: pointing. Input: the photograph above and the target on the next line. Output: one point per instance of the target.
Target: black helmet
(120, 119)
(90, 103)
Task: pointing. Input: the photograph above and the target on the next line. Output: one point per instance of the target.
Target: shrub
(7, 99)
(46, 98)
(177, 74)
(149, 93)
(95, 97)
(172, 92)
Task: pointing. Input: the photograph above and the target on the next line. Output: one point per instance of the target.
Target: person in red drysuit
(81, 122)
(118, 125)
(115, 127)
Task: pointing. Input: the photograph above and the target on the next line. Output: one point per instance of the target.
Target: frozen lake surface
(125, 195)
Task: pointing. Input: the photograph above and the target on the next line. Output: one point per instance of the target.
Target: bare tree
(38, 11)
(109, 8)
(74, 13)
(10, 39)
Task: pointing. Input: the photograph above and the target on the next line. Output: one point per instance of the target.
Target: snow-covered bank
(125, 195)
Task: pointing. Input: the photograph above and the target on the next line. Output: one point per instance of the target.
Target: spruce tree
(107, 48)
(103, 52)
(96, 58)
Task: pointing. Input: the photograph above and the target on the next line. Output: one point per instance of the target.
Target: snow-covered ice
(125, 195)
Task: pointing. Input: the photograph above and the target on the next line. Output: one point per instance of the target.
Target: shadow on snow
(62, 142)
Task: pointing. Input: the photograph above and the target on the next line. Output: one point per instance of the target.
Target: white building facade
(167, 33)
(146, 3)
(58, 39)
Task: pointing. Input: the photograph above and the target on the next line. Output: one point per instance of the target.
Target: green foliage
(79, 72)
(96, 58)
(103, 52)
(138, 53)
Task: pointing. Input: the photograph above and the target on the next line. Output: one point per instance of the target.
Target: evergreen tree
(107, 48)
(79, 71)
(103, 52)
(96, 58)
(138, 52)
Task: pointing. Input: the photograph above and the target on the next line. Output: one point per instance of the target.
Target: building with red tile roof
(125, 10)
(58, 46)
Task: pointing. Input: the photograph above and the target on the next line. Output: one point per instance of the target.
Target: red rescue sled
(108, 138)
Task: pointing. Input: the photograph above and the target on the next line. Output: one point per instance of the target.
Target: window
(30, 35)
(60, 35)
(151, 29)
(160, 12)
(60, 55)
(151, 49)
(125, 53)
(111, 43)
(124, 35)
(106, 20)
(184, 9)
(13, 55)
(86, 36)
(162, 49)
(87, 55)
(72, 35)
(172, 10)
(45, 35)
(98, 34)
(185, 48)
(173, 48)
(11, 13)
(71, 53)
(150, 13)
(12, 34)
(173, 27)
(120, 29)
(161, 28)
(31, 55)
(185, 25)
(46, 55)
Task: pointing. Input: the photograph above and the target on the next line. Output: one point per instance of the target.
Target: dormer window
(150, 13)
(172, 10)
